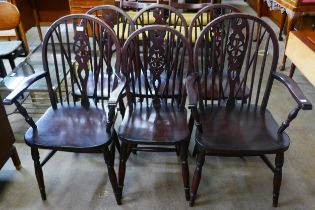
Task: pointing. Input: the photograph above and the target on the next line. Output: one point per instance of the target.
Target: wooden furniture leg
(111, 173)
(277, 178)
(185, 169)
(38, 172)
(34, 8)
(197, 176)
(3, 72)
(15, 158)
(283, 18)
(290, 26)
(122, 167)
(292, 70)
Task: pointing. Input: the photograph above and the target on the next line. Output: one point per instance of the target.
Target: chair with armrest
(9, 19)
(197, 24)
(155, 118)
(84, 126)
(227, 127)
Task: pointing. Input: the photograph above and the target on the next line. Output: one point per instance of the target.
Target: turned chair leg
(195, 151)
(277, 177)
(177, 149)
(12, 63)
(122, 167)
(116, 141)
(15, 158)
(112, 174)
(283, 18)
(38, 172)
(185, 169)
(197, 175)
(292, 70)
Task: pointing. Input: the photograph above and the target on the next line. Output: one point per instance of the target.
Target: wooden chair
(205, 15)
(115, 17)
(132, 7)
(188, 10)
(160, 14)
(68, 125)
(227, 127)
(155, 118)
(197, 24)
(9, 19)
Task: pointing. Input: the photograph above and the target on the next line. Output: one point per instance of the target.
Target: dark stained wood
(75, 124)
(156, 115)
(7, 149)
(116, 18)
(160, 14)
(226, 126)
(174, 131)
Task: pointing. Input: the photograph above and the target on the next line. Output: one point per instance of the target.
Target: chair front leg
(122, 166)
(38, 172)
(197, 175)
(277, 177)
(116, 141)
(15, 158)
(111, 173)
(185, 169)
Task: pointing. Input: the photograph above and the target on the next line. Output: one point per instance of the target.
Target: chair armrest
(118, 88)
(297, 94)
(22, 87)
(192, 93)
(191, 90)
(294, 89)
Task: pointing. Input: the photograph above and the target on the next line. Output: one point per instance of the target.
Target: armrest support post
(292, 115)
(24, 113)
(195, 114)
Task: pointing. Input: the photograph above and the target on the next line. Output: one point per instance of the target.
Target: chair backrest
(77, 51)
(236, 51)
(188, 10)
(158, 72)
(160, 14)
(9, 16)
(116, 18)
(205, 15)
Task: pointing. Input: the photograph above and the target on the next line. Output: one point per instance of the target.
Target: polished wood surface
(9, 16)
(156, 115)
(227, 126)
(82, 6)
(116, 18)
(72, 123)
(301, 51)
(7, 149)
(9, 20)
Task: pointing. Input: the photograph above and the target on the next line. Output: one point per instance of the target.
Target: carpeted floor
(153, 181)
